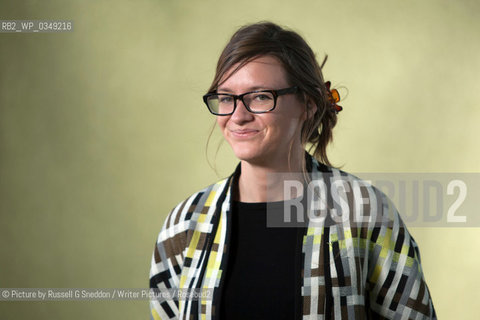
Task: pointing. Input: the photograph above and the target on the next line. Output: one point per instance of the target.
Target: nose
(241, 114)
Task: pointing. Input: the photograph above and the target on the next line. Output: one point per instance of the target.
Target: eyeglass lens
(256, 101)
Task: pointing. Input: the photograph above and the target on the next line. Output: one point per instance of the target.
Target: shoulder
(354, 198)
(186, 214)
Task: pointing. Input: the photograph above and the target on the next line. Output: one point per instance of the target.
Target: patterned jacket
(368, 270)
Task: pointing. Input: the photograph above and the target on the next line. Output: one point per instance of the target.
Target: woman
(270, 101)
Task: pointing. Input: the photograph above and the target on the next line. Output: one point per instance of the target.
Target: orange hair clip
(333, 97)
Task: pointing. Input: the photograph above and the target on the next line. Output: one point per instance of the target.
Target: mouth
(244, 133)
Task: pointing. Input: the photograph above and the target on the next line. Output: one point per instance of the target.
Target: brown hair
(302, 69)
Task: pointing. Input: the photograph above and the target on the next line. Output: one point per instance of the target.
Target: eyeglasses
(261, 101)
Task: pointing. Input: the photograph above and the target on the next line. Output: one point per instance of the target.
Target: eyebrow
(255, 88)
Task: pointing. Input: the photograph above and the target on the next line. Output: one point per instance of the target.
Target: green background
(103, 131)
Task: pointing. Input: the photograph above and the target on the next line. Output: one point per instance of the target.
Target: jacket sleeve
(166, 265)
(396, 284)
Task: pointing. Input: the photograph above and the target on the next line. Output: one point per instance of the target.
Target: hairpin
(333, 97)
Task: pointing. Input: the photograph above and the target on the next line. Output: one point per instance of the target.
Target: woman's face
(263, 139)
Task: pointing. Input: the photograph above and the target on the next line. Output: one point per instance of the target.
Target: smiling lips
(244, 133)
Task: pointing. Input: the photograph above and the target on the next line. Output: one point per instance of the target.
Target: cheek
(289, 123)
(221, 122)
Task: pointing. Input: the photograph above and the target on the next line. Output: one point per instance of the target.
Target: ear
(311, 107)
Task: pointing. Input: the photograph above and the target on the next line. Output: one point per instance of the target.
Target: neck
(266, 183)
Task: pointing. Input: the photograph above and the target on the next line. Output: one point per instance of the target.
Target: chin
(245, 154)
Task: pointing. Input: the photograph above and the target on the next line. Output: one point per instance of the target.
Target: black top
(262, 279)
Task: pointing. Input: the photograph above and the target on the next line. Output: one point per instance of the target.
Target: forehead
(262, 72)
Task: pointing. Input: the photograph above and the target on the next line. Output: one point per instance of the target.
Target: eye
(262, 97)
(225, 99)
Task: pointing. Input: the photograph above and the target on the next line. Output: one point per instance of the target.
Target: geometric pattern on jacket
(368, 270)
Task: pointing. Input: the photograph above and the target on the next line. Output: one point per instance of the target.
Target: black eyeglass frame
(275, 93)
